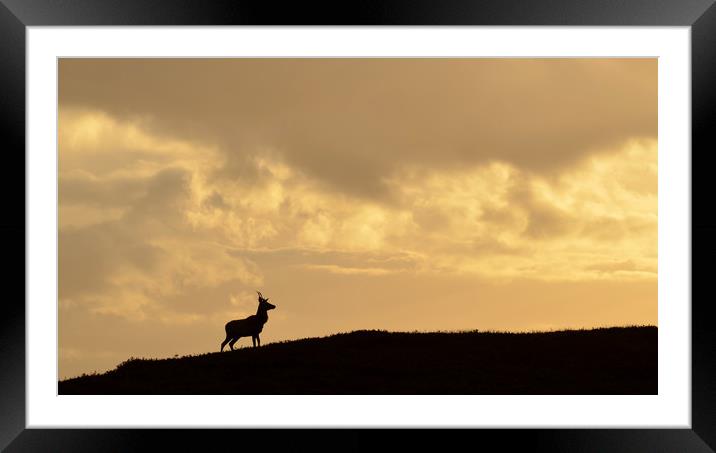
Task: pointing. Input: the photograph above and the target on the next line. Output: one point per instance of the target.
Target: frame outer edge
(364, 12)
(12, 110)
(12, 226)
(703, 107)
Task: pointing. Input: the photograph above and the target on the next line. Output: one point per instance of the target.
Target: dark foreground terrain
(600, 361)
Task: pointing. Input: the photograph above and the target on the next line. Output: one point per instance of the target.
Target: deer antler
(260, 295)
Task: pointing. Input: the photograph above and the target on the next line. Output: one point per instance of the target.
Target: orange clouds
(349, 123)
(492, 220)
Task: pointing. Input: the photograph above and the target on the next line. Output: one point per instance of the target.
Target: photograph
(357, 226)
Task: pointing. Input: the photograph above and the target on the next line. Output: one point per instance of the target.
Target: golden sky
(398, 194)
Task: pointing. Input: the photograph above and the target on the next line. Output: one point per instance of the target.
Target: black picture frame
(16, 15)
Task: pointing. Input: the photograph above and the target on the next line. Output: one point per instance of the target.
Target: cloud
(350, 123)
(493, 219)
(138, 252)
(625, 266)
(334, 269)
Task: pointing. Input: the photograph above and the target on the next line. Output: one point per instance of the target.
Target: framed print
(481, 221)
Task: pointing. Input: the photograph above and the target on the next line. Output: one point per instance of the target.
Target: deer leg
(258, 340)
(253, 340)
(231, 343)
(223, 343)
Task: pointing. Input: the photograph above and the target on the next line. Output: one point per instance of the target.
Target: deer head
(264, 303)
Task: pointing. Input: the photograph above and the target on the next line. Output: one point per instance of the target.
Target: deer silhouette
(248, 327)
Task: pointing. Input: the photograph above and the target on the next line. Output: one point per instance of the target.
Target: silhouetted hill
(601, 361)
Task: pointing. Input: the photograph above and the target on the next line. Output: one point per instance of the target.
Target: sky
(397, 194)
